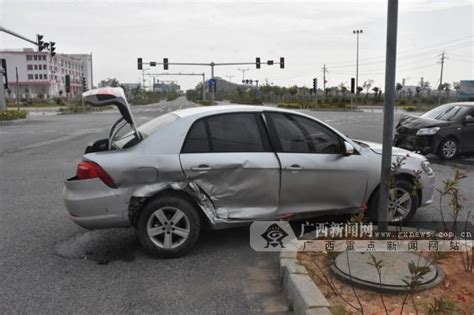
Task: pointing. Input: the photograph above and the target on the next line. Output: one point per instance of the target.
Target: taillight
(88, 170)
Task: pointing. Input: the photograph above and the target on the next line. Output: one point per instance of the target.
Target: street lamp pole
(357, 32)
(243, 72)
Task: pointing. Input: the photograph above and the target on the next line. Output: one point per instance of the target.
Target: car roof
(219, 109)
(461, 103)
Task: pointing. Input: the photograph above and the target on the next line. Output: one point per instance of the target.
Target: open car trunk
(111, 96)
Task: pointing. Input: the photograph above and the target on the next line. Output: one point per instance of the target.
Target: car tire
(168, 226)
(403, 189)
(448, 149)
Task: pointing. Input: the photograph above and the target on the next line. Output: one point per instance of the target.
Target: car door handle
(294, 167)
(201, 168)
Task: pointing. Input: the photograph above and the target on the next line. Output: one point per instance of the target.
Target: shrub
(13, 114)
(409, 108)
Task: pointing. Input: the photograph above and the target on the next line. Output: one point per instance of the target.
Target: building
(166, 86)
(43, 76)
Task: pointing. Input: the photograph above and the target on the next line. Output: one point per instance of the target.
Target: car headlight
(426, 167)
(427, 131)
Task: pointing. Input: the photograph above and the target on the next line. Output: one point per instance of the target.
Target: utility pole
(388, 114)
(357, 32)
(17, 90)
(440, 86)
(243, 72)
(324, 79)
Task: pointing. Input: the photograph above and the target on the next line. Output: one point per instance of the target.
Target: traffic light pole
(5, 30)
(211, 64)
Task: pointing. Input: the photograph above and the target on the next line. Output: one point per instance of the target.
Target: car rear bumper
(93, 205)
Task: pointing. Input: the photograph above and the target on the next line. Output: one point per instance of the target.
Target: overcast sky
(308, 34)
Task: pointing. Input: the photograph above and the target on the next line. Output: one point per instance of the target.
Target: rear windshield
(145, 130)
(445, 112)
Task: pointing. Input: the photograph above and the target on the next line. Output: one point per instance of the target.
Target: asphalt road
(48, 264)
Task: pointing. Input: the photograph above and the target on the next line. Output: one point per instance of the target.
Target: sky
(309, 34)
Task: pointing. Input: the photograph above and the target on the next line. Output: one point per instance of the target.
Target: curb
(302, 294)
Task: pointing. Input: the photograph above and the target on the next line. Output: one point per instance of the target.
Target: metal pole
(213, 87)
(203, 86)
(3, 101)
(390, 71)
(17, 90)
(357, 69)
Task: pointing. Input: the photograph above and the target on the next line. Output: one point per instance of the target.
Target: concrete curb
(302, 294)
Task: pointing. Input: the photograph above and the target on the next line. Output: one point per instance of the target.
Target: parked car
(446, 131)
(224, 166)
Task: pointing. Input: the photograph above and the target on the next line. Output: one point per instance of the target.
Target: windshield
(145, 130)
(445, 112)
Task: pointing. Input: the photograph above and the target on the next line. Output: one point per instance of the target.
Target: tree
(61, 92)
(376, 93)
(456, 86)
(399, 87)
(112, 82)
(359, 89)
(343, 88)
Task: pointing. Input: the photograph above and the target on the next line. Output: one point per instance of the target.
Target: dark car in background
(446, 131)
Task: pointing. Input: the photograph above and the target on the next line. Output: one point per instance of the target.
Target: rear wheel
(448, 148)
(168, 226)
(403, 202)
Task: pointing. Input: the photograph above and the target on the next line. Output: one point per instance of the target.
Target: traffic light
(39, 42)
(152, 63)
(352, 85)
(315, 85)
(140, 63)
(257, 62)
(52, 48)
(4, 68)
(68, 83)
(84, 84)
(282, 63)
(165, 63)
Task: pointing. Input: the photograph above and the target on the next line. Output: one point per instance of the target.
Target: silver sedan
(223, 166)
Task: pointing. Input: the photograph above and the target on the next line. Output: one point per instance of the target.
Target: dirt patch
(457, 287)
(101, 246)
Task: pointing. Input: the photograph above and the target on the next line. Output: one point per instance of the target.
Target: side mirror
(469, 119)
(109, 96)
(349, 149)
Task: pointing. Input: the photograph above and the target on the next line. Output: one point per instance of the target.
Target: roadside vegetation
(12, 114)
(420, 98)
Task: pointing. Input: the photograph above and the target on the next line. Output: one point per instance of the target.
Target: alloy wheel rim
(399, 204)
(449, 148)
(168, 227)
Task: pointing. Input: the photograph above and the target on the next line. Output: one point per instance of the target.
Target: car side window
(290, 135)
(299, 134)
(197, 140)
(235, 133)
(241, 132)
(320, 138)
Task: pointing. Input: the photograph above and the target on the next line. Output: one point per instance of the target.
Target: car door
(230, 158)
(316, 174)
(468, 132)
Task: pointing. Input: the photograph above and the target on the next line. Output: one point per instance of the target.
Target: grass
(12, 115)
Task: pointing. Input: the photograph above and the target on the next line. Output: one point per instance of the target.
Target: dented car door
(230, 158)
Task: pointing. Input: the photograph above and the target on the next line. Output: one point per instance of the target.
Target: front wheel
(448, 148)
(168, 226)
(403, 202)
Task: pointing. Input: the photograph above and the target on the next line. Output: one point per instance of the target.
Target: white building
(40, 75)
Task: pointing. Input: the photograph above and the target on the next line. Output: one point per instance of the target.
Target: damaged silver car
(223, 166)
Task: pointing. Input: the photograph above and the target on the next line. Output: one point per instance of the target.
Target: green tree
(112, 82)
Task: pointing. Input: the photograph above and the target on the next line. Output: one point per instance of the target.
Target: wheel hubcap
(168, 227)
(399, 204)
(449, 149)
